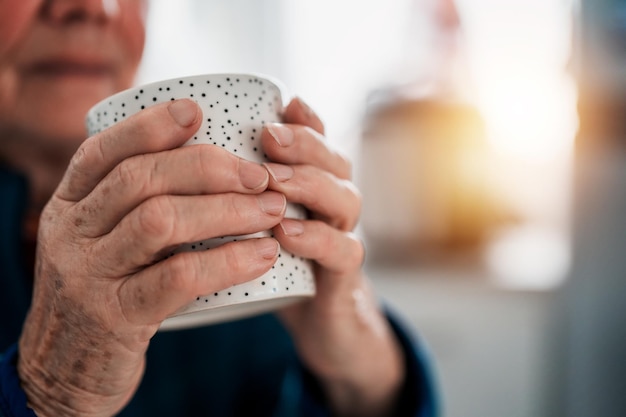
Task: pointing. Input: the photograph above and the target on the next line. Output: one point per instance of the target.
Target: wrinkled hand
(102, 285)
(341, 334)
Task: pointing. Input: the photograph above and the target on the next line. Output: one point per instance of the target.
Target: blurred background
(488, 138)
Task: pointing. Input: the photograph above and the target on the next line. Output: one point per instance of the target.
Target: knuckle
(80, 156)
(78, 168)
(88, 152)
(344, 164)
(358, 197)
(342, 253)
(310, 182)
(155, 218)
(204, 152)
(179, 274)
(238, 207)
(356, 252)
(199, 154)
(232, 260)
(204, 158)
(139, 174)
(355, 203)
(328, 245)
(127, 174)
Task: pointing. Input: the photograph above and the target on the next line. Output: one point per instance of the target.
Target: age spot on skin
(140, 297)
(79, 366)
(106, 191)
(59, 315)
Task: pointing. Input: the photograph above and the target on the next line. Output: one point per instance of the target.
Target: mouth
(70, 68)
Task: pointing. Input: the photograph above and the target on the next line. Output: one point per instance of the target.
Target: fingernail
(281, 134)
(292, 227)
(279, 172)
(252, 176)
(272, 203)
(184, 112)
(267, 248)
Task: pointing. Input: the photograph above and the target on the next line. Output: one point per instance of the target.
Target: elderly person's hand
(340, 334)
(102, 284)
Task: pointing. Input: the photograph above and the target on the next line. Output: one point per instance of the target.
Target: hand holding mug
(340, 334)
(102, 288)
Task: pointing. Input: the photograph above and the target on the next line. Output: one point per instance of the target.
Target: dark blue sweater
(243, 368)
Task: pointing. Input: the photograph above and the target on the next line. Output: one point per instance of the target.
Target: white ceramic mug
(235, 108)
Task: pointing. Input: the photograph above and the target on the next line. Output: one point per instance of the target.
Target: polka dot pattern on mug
(235, 108)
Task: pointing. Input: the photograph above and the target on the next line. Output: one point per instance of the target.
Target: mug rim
(277, 84)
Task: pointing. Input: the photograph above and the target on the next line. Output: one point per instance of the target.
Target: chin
(59, 130)
(60, 107)
(51, 116)
(66, 115)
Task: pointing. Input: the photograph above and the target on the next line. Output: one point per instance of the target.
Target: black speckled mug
(235, 108)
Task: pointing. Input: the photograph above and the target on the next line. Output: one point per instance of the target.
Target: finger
(160, 290)
(335, 251)
(190, 170)
(162, 223)
(297, 144)
(298, 112)
(332, 199)
(157, 128)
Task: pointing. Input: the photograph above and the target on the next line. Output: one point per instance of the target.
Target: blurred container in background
(424, 151)
(425, 179)
(481, 142)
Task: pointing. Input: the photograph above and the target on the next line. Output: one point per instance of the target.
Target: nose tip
(65, 11)
(110, 7)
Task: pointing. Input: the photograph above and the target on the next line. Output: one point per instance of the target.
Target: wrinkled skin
(115, 202)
